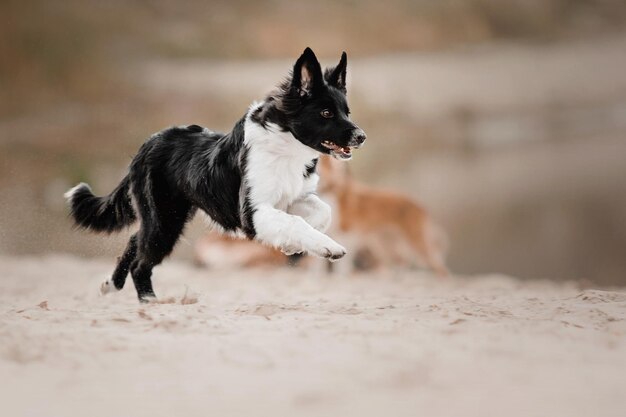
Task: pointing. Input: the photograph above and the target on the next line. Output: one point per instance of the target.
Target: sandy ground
(285, 343)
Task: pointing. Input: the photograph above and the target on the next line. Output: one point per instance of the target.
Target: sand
(291, 343)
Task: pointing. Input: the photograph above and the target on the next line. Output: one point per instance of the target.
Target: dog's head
(313, 107)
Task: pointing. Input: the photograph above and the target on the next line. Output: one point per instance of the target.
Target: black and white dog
(257, 181)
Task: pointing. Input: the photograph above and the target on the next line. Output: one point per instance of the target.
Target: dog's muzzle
(357, 139)
(339, 152)
(345, 152)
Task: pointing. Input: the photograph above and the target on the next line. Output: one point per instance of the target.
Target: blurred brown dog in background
(380, 227)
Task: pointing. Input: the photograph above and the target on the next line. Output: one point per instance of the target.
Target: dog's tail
(101, 214)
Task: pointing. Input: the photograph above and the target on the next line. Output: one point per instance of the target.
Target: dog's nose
(359, 136)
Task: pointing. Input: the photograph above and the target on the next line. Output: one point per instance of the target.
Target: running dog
(257, 181)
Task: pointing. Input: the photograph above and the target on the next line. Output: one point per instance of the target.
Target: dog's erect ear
(307, 73)
(337, 76)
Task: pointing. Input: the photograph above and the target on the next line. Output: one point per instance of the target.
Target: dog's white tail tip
(69, 194)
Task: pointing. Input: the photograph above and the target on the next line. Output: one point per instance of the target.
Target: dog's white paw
(290, 250)
(107, 287)
(329, 249)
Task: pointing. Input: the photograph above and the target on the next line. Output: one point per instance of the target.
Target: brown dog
(384, 228)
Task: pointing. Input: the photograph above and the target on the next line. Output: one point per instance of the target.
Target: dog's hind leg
(155, 242)
(118, 279)
(153, 248)
(141, 270)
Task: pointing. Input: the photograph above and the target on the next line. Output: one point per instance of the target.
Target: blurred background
(506, 119)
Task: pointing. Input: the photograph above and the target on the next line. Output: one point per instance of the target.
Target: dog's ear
(307, 74)
(337, 76)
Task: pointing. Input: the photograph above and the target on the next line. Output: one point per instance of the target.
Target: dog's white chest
(275, 166)
(287, 181)
(278, 181)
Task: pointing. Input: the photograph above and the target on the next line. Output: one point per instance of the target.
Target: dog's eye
(327, 114)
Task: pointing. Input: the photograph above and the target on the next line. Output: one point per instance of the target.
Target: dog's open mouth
(337, 151)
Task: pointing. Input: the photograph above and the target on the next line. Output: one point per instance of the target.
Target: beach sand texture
(287, 342)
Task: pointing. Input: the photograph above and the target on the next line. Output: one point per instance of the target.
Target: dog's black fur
(182, 169)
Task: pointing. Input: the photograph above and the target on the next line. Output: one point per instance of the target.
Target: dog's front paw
(335, 255)
(330, 250)
(290, 250)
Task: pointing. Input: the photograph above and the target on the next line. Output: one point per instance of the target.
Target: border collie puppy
(257, 181)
